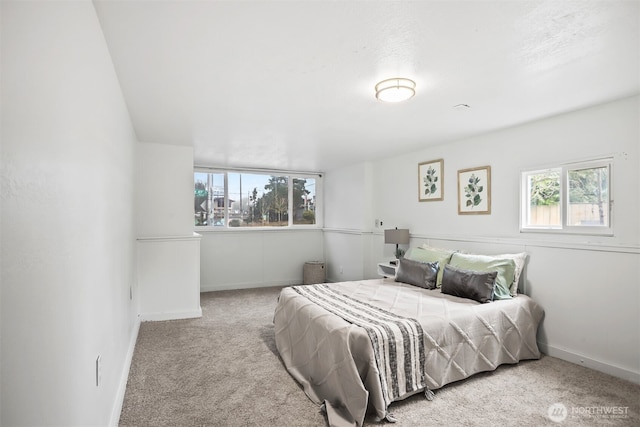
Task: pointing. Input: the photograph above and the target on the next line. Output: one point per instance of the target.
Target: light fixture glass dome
(396, 89)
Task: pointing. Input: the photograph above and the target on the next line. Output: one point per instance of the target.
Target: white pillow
(428, 247)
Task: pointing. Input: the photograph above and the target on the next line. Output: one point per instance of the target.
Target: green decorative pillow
(426, 254)
(484, 263)
(520, 259)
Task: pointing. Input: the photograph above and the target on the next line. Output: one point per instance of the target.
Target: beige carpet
(224, 370)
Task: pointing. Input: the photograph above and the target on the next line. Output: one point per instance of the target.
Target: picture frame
(431, 181)
(474, 191)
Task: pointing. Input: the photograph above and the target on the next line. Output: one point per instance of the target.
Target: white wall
(168, 267)
(349, 222)
(349, 187)
(67, 219)
(237, 259)
(348, 255)
(169, 278)
(164, 190)
(589, 286)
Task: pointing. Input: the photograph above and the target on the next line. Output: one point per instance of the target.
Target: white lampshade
(397, 236)
(396, 89)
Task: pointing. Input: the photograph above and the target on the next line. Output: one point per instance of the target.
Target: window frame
(290, 175)
(564, 228)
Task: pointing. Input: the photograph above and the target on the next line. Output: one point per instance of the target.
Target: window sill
(250, 229)
(570, 231)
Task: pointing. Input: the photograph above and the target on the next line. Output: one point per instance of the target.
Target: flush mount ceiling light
(395, 90)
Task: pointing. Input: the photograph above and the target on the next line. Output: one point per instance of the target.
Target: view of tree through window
(253, 200)
(588, 197)
(304, 195)
(544, 198)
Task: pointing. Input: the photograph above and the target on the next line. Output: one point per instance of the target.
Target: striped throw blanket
(398, 342)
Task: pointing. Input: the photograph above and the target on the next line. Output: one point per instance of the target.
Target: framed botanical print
(474, 191)
(431, 181)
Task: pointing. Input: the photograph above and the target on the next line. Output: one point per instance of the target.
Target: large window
(253, 199)
(571, 198)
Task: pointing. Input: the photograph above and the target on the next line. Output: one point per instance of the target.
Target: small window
(571, 198)
(250, 199)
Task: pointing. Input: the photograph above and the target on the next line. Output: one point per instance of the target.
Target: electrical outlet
(130, 293)
(341, 271)
(98, 370)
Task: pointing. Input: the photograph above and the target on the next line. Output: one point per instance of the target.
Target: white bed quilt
(334, 362)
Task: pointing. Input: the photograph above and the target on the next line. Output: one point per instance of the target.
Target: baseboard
(597, 365)
(248, 285)
(170, 315)
(124, 376)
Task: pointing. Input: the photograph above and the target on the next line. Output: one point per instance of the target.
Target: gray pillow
(417, 273)
(475, 285)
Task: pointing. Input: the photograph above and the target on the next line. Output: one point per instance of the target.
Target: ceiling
(290, 84)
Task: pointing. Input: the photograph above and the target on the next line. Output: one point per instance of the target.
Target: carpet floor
(224, 370)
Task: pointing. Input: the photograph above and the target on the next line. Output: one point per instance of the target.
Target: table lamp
(399, 237)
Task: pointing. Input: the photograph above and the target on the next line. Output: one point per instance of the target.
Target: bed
(352, 371)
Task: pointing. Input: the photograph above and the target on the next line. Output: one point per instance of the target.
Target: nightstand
(387, 270)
